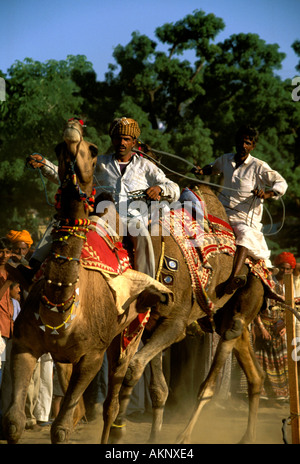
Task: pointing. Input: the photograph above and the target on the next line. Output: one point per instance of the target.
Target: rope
(161, 259)
(182, 175)
(27, 165)
(290, 308)
(211, 184)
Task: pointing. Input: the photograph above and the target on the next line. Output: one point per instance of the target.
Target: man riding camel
(119, 173)
(243, 193)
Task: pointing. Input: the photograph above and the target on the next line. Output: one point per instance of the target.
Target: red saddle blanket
(100, 253)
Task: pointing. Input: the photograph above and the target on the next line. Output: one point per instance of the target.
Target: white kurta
(243, 209)
(140, 174)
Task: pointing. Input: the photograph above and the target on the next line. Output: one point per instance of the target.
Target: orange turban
(20, 236)
(285, 257)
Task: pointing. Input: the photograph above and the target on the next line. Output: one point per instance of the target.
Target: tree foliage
(189, 93)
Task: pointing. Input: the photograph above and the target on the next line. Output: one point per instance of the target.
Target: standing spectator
(21, 243)
(6, 306)
(270, 341)
(6, 386)
(21, 246)
(39, 396)
(40, 392)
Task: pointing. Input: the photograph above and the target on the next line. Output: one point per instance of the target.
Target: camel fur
(71, 312)
(167, 325)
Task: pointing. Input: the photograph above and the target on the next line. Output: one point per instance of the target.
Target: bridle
(71, 177)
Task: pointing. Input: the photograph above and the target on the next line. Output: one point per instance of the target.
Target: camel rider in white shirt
(120, 173)
(244, 191)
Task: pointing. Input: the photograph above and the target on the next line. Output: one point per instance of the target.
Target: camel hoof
(13, 429)
(11, 434)
(116, 434)
(59, 436)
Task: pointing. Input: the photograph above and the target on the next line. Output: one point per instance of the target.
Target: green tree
(188, 92)
(40, 98)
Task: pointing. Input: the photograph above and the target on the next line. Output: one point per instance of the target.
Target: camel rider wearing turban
(247, 182)
(119, 173)
(125, 171)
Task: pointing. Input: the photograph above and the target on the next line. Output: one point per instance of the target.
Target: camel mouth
(72, 134)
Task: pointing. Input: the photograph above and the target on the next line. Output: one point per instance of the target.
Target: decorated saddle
(200, 239)
(104, 252)
(101, 253)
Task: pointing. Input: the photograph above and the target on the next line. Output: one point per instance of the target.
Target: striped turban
(124, 126)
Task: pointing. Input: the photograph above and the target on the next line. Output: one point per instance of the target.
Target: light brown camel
(71, 312)
(166, 327)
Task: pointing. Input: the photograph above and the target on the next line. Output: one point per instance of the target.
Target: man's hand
(197, 170)
(154, 193)
(34, 161)
(262, 194)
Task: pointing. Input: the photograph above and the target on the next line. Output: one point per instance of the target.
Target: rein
(88, 201)
(210, 184)
(64, 229)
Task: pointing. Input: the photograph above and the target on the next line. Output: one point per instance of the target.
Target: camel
(168, 325)
(71, 312)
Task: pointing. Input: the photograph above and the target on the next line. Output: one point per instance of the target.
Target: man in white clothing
(120, 173)
(246, 180)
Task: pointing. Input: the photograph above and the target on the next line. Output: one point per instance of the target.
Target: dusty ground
(217, 425)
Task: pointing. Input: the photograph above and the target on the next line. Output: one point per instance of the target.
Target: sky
(44, 30)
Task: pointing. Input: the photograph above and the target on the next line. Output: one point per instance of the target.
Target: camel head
(73, 131)
(77, 160)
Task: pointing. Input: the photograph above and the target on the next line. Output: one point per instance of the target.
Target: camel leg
(207, 389)
(255, 377)
(82, 375)
(162, 338)
(64, 373)
(159, 392)
(114, 409)
(22, 366)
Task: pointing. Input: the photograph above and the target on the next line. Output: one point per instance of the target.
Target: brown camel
(167, 325)
(71, 312)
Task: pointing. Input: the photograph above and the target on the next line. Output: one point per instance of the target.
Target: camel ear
(93, 149)
(58, 149)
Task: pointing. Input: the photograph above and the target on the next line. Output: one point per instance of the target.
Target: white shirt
(239, 202)
(140, 174)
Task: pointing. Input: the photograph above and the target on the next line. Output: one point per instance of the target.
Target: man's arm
(262, 194)
(272, 179)
(48, 169)
(161, 185)
(206, 171)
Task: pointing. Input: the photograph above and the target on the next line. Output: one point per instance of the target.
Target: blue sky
(43, 29)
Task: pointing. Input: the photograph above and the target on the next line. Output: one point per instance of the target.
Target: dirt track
(215, 426)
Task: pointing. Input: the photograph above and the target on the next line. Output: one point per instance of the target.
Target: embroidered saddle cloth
(201, 240)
